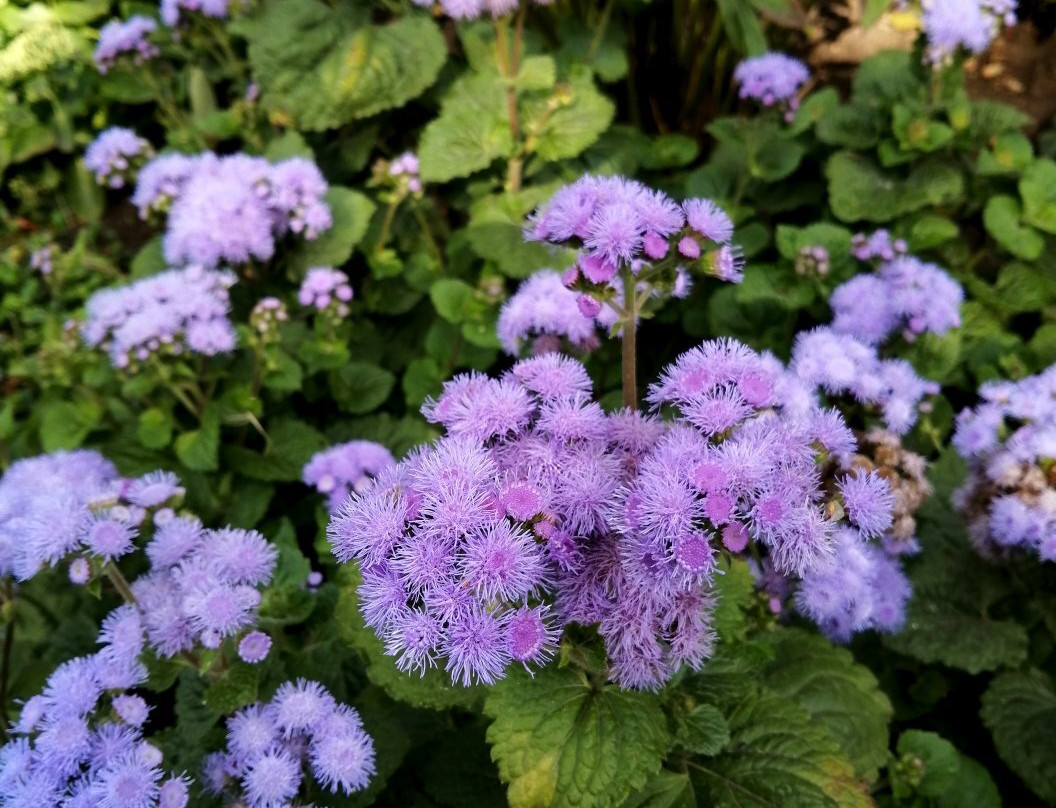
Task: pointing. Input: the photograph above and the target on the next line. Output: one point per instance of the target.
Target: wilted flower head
(120, 37)
(115, 155)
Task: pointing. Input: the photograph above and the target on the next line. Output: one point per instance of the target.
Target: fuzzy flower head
(326, 290)
(347, 467)
(953, 27)
(174, 12)
(177, 311)
(267, 315)
(115, 156)
(472, 9)
(544, 315)
(772, 79)
(1009, 442)
(125, 38)
(404, 170)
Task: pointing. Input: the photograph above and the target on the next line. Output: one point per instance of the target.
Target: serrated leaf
(561, 741)
(322, 68)
(703, 731)
(65, 424)
(664, 790)
(472, 129)
(360, 387)
(1019, 709)
(839, 694)
(536, 73)
(734, 589)
(1022, 287)
(351, 213)
(930, 231)
(1010, 153)
(850, 126)
(777, 756)
(973, 787)
(1002, 217)
(579, 120)
(1038, 191)
(233, 689)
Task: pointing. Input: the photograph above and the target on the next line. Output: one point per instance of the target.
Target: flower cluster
(80, 742)
(951, 26)
(42, 260)
(405, 167)
(617, 223)
(269, 744)
(347, 467)
(231, 209)
(773, 78)
(813, 262)
(172, 10)
(115, 155)
(537, 501)
(43, 502)
(326, 290)
(118, 38)
(267, 315)
(1009, 441)
(545, 311)
(171, 312)
(840, 364)
(878, 244)
(905, 294)
(472, 9)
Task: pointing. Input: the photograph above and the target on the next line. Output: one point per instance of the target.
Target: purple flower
(272, 779)
(708, 220)
(114, 156)
(869, 502)
(773, 78)
(172, 10)
(120, 37)
(154, 488)
(325, 289)
(254, 647)
(953, 25)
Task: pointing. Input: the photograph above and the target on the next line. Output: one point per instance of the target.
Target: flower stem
(119, 581)
(630, 339)
(508, 68)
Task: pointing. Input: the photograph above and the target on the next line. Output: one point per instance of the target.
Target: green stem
(120, 582)
(427, 233)
(629, 367)
(5, 664)
(599, 33)
(386, 225)
(508, 68)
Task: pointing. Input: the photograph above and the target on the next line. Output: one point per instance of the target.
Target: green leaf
(282, 371)
(451, 297)
(561, 741)
(536, 73)
(154, 428)
(935, 759)
(850, 126)
(1022, 287)
(834, 238)
(664, 790)
(1009, 154)
(734, 590)
(351, 213)
(1038, 190)
(973, 787)
(1002, 217)
(930, 231)
(742, 27)
(1019, 708)
(233, 689)
(582, 114)
(859, 190)
(291, 445)
(65, 424)
(703, 731)
(777, 756)
(360, 387)
(149, 260)
(322, 68)
(917, 132)
(197, 449)
(289, 144)
(472, 130)
(839, 694)
(670, 151)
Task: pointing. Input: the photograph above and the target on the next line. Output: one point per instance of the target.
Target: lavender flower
(168, 313)
(41, 260)
(172, 11)
(953, 26)
(472, 9)
(115, 155)
(118, 38)
(326, 290)
(773, 78)
(405, 167)
(545, 309)
(347, 467)
(268, 746)
(1009, 441)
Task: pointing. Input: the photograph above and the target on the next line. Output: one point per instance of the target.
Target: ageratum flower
(347, 467)
(772, 79)
(472, 9)
(544, 311)
(168, 313)
(172, 11)
(953, 26)
(125, 37)
(1009, 441)
(327, 290)
(115, 155)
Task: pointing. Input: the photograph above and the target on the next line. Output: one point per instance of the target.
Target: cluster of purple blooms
(174, 311)
(951, 26)
(172, 10)
(326, 290)
(347, 467)
(877, 245)
(115, 155)
(472, 9)
(617, 224)
(537, 509)
(231, 209)
(269, 744)
(1009, 441)
(772, 79)
(545, 311)
(42, 260)
(128, 37)
(904, 295)
(406, 166)
(80, 742)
